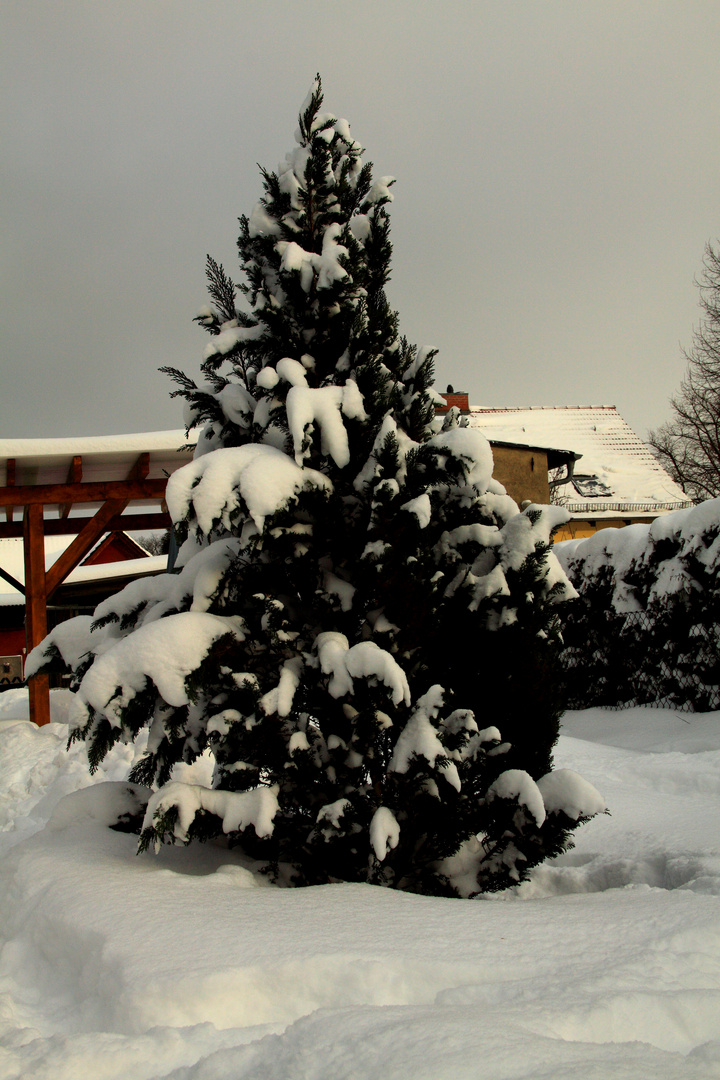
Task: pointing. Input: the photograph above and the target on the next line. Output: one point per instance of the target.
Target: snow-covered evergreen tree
(361, 626)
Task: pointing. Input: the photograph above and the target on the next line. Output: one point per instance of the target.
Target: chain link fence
(663, 658)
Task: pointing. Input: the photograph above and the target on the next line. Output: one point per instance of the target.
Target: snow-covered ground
(186, 965)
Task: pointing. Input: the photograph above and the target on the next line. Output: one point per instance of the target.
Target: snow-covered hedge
(647, 625)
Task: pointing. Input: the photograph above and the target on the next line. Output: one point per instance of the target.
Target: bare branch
(688, 446)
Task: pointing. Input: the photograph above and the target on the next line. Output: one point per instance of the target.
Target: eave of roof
(108, 457)
(560, 456)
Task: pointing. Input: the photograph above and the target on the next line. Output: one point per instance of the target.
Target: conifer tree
(361, 626)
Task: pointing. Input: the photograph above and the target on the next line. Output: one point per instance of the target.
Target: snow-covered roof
(151, 564)
(12, 561)
(106, 457)
(616, 472)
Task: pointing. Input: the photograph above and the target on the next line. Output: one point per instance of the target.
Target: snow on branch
(324, 269)
(237, 809)
(516, 785)
(366, 660)
(165, 652)
(280, 699)
(472, 447)
(419, 739)
(324, 406)
(265, 478)
(231, 336)
(384, 832)
(72, 639)
(566, 791)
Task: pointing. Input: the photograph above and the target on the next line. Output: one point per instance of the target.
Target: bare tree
(156, 543)
(688, 445)
(558, 480)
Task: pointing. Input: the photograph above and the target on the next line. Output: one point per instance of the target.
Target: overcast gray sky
(557, 171)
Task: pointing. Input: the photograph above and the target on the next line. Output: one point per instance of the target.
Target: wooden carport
(52, 486)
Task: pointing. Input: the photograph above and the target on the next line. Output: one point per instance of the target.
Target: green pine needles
(361, 628)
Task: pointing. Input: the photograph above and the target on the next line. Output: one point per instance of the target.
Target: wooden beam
(36, 608)
(95, 492)
(12, 581)
(82, 543)
(74, 476)
(10, 482)
(72, 526)
(141, 468)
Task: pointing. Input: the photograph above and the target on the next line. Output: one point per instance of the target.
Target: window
(590, 487)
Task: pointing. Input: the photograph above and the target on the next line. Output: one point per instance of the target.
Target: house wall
(523, 472)
(11, 671)
(12, 640)
(12, 628)
(581, 528)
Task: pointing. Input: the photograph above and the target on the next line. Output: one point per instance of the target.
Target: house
(605, 475)
(522, 466)
(613, 481)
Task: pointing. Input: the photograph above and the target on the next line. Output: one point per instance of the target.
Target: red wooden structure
(51, 484)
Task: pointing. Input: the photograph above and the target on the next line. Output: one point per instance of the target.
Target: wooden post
(36, 607)
(9, 482)
(74, 476)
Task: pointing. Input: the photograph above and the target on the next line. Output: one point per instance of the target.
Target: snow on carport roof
(46, 461)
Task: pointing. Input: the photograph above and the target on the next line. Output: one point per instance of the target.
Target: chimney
(456, 398)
